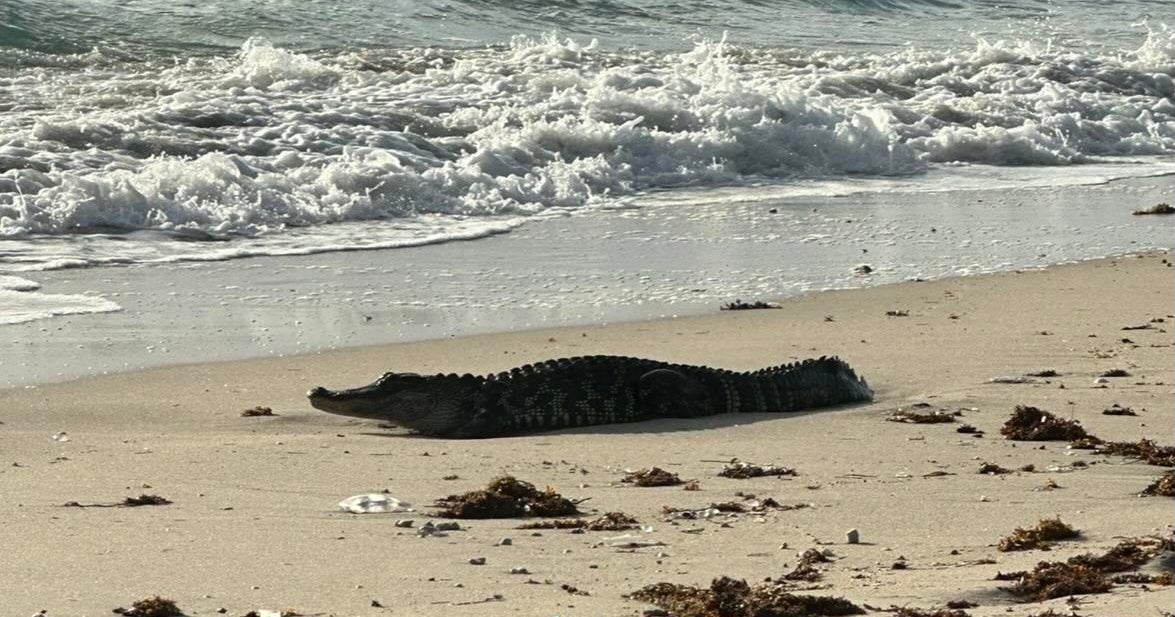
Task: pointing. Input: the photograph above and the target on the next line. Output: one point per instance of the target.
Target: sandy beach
(253, 524)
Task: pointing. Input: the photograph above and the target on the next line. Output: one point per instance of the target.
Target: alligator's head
(432, 405)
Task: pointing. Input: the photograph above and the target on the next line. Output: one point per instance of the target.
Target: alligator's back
(568, 392)
(595, 390)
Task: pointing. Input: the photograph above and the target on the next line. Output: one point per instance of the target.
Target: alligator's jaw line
(588, 391)
(346, 403)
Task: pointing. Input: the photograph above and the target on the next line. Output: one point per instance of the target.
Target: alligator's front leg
(665, 393)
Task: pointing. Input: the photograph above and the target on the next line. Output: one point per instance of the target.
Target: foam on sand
(271, 142)
(20, 302)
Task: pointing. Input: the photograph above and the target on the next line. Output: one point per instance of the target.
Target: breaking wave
(271, 140)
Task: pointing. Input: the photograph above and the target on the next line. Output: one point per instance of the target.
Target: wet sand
(254, 526)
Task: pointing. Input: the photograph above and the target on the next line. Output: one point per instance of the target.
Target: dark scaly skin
(587, 391)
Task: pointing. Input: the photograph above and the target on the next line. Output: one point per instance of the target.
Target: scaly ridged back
(594, 390)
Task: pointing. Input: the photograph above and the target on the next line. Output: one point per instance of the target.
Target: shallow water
(148, 133)
(676, 253)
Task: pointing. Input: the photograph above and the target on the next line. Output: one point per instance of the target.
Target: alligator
(588, 391)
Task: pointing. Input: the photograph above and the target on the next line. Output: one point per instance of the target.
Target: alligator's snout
(317, 392)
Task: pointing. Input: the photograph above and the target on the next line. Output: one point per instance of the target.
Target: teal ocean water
(143, 28)
(147, 132)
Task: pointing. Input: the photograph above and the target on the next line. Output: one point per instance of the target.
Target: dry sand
(253, 524)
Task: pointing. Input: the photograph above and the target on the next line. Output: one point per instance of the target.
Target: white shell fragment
(374, 503)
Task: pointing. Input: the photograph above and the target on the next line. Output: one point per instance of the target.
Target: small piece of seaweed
(1162, 487)
(1143, 449)
(904, 611)
(151, 607)
(1160, 208)
(506, 497)
(257, 412)
(806, 569)
(1118, 410)
(129, 502)
(1046, 531)
(727, 597)
(739, 305)
(1033, 424)
(654, 476)
(992, 469)
(741, 471)
(612, 521)
(910, 416)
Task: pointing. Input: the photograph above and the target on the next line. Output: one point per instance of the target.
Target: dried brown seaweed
(1052, 579)
(1160, 208)
(1164, 486)
(506, 497)
(992, 469)
(739, 305)
(727, 597)
(1087, 573)
(654, 476)
(1143, 449)
(612, 521)
(151, 607)
(741, 471)
(805, 569)
(910, 416)
(1118, 410)
(1039, 537)
(905, 611)
(129, 502)
(1032, 424)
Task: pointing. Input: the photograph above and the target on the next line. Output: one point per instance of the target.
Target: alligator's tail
(820, 382)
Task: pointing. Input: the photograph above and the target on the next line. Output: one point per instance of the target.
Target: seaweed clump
(1040, 537)
(507, 497)
(1155, 209)
(741, 471)
(910, 416)
(727, 597)
(1032, 424)
(1054, 579)
(151, 607)
(129, 502)
(612, 521)
(1143, 449)
(1163, 487)
(991, 469)
(654, 476)
(806, 569)
(917, 612)
(1084, 574)
(739, 305)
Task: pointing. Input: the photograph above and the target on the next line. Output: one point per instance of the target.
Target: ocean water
(140, 133)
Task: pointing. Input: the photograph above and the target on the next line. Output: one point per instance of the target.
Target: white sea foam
(22, 306)
(274, 149)
(15, 283)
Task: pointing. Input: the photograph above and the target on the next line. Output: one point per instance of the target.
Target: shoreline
(700, 318)
(254, 523)
(663, 259)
